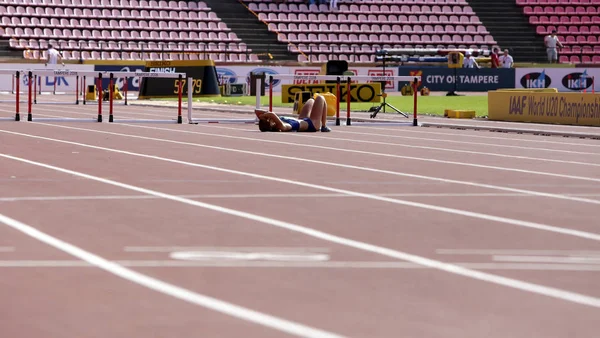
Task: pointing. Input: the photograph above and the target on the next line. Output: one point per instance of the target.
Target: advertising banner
(241, 74)
(46, 83)
(543, 107)
(133, 84)
(461, 79)
(563, 79)
(359, 92)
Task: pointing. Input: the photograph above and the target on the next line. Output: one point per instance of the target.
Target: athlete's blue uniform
(296, 124)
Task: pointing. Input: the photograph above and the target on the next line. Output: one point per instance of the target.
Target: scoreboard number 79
(196, 86)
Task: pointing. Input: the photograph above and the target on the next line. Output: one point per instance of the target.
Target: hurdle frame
(35, 72)
(348, 82)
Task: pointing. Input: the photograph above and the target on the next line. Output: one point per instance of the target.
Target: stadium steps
(252, 31)
(511, 29)
(7, 52)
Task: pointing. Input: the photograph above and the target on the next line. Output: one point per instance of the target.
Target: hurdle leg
(77, 90)
(270, 93)
(415, 103)
(29, 98)
(110, 98)
(18, 83)
(84, 89)
(337, 101)
(35, 77)
(348, 98)
(179, 94)
(99, 85)
(125, 88)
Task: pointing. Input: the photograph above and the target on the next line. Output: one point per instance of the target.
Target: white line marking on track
(516, 252)
(236, 196)
(453, 150)
(300, 144)
(7, 249)
(469, 143)
(420, 131)
(170, 289)
(222, 248)
(473, 134)
(480, 185)
(221, 255)
(546, 259)
(526, 224)
(271, 321)
(295, 265)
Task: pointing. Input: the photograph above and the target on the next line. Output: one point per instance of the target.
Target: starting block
(459, 114)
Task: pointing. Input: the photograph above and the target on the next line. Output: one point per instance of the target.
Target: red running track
(364, 232)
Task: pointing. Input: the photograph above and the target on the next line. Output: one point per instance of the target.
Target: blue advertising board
(467, 79)
(133, 84)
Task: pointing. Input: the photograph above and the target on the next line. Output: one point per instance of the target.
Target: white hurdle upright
(348, 82)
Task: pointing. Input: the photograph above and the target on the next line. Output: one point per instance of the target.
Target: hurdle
(99, 76)
(347, 82)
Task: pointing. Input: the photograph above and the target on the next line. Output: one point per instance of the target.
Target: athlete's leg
(305, 111)
(318, 113)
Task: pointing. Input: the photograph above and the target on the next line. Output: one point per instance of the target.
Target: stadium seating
(355, 30)
(120, 29)
(577, 23)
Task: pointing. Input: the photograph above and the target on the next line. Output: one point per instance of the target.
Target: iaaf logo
(377, 72)
(577, 81)
(226, 75)
(305, 76)
(536, 80)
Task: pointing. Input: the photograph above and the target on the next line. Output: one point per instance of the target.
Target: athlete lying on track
(312, 118)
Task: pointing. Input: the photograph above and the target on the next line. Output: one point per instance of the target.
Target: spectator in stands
(52, 56)
(333, 4)
(494, 61)
(312, 118)
(552, 43)
(469, 62)
(506, 60)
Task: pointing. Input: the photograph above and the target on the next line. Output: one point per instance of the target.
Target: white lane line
(295, 265)
(430, 178)
(506, 220)
(450, 268)
(305, 145)
(222, 248)
(468, 143)
(242, 196)
(419, 131)
(516, 252)
(449, 149)
(473, 134)
(7, 249)
(169, 289)
(300, 144)
(547, 259)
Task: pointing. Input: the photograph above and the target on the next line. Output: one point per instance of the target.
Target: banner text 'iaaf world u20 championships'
(561, 108)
